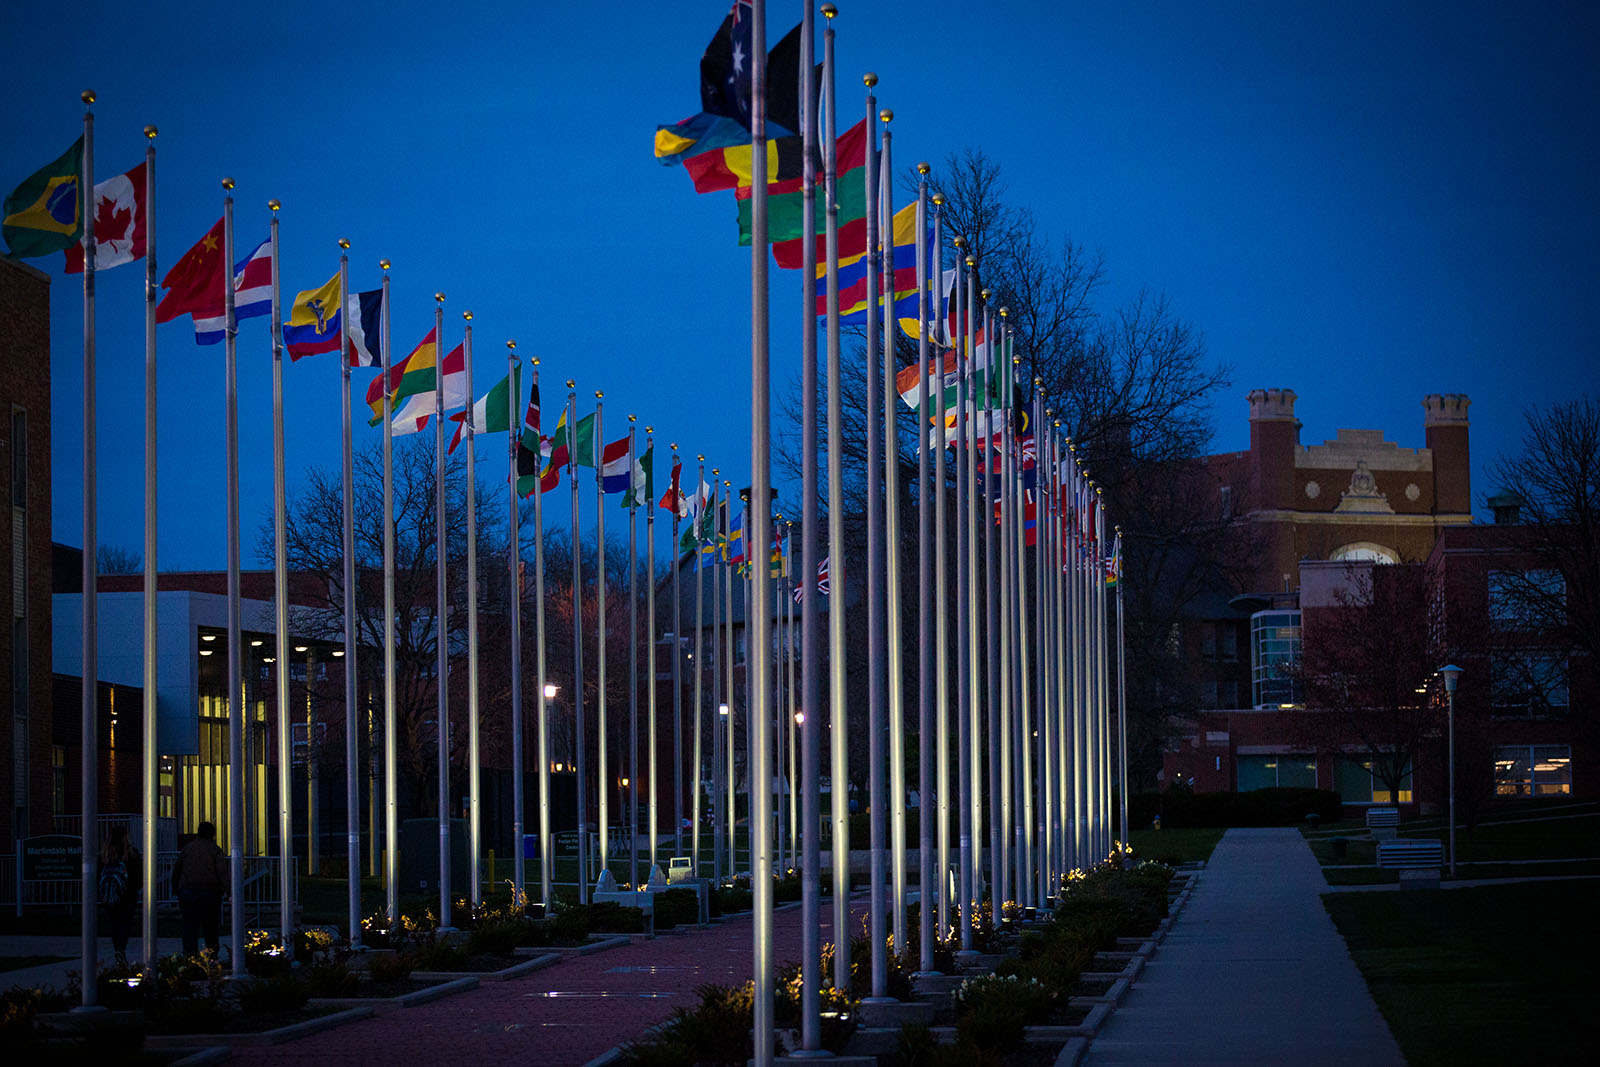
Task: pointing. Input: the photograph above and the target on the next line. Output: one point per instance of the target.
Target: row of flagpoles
(1046, 718)
(1032, 684)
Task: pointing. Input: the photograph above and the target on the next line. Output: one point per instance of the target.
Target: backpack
(113, 883)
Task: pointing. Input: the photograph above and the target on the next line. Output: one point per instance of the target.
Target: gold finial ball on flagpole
(1117, 530)
(273, 206)
(534, 361)
(960, 242)
(1036, 380)
(938, 199)
(829, 11)
(571, 384)
(985, 294)
(467, 315)
(438, 297)
(1004, 312)
(886, 116)
(674, 446)
(1016, 361)
(715, 471)
(972, 261)
(227, 183)
(630, 418)
(383, 264)
(87, 96)
(923, 168)
(342, 242)
(150, 132)
(870, 79)
(512, 345)
(649, 429)
(701, 456)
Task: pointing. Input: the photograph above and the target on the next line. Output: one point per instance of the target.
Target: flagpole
(1025, 667)
(719, 560)
(1044, 516)
(391, 770)
(677, 670)
(650, 658)
(925, 652)
(631, 801)
(352, 755)
(992, 627)
(975, 650)
(235, 653)
(997, 515)
(793, 724)
(699, 667)
(1122, 695)
(731, 777)
(441, 615)
(875, 643)
(810, 730)
(89, 766)
(280, 568)
(547, 850)
(474, 758)
(760, 483)
(147, 923)
(891, 552)
(839, 733)
(941, 592)
(602, 582)
(577, 649)
(519, 862)
(964, 626)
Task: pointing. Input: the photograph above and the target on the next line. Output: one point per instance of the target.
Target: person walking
(200, 876)
(118, 885)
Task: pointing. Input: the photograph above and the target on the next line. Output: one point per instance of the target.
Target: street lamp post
(547, 852)
(1451, 674)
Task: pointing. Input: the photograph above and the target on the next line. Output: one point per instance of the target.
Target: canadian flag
(119, 210)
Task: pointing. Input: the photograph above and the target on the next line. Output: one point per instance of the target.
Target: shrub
(728, 899)
(993, 1030)
(675, 907)
(391, 967)
(1030, 996)
(434, 954)
(310, 943)
(264, 957)
(330, 978)
(915, 1046)
(497, 937)
(282, 992)
(611, 917)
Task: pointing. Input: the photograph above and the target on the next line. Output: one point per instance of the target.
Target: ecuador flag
(45, 213)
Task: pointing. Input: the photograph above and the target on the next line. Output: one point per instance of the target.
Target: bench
(1411, 853)
(1383, 822)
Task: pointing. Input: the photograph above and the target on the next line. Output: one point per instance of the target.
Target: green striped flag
(45, 213)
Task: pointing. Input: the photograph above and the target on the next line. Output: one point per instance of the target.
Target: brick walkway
(565, 1014)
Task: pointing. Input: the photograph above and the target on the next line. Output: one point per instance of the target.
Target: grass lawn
(1490, 974)
(1175, 845)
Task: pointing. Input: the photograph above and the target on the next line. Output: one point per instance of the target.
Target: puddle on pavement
(642, 970)
(594, 994)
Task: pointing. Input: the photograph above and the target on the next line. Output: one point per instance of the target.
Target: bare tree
(114, 559)
(1365, 666)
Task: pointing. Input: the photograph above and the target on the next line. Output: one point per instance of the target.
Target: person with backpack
(118, 885)
(200, 877)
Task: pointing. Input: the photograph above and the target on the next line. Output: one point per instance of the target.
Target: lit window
(1357, 784)
(1533, 770)
(1274, 652)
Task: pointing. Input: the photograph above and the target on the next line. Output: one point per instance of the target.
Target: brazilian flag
(45, 214)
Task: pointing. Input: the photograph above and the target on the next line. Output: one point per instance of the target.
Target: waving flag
(672, 500)
(45, 213)
(195, 287)
(616, 469)
(366, 328)
(492, 412)
(313, 322)
(412, 417)
(411, 376)
(119, 222)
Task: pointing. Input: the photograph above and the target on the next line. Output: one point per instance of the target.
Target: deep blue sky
(1364, 202)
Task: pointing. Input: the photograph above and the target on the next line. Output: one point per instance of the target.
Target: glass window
(1274, 651)
(1528, 682)
(1287, 771)
(1533, 770)
(1522, 599)
(1356, 784)
(1227, 642)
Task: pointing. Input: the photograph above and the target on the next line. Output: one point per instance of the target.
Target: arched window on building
(1365, 552)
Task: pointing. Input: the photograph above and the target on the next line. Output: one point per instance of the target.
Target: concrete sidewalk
(1253, 971)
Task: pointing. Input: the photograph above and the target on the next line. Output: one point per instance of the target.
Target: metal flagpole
(519, 863)
(975, 655)
(441, 615)
(235, 653)
(838, 715)
(632, 808)
(1122, 695)
(650, 658)
(474, 755)
(699, 663)
(877, 802)
(602, 583)
(794, 724)
(891, 550)
(280, 569)
(963, 624)
(1001, 641)
(677, 668)
(941, 585)
(718, 564)
(991, 629)
(779, 777)
(547, 847)
(391, 799)
(581, 761)
(1102, 673)
(1044, 517)
(1026, 748)
(760, 708)
(352, 786)
(147, 921)
(89, 767)
(925, 652)
(731, 779)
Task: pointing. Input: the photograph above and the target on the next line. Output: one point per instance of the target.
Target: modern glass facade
(1274, 651)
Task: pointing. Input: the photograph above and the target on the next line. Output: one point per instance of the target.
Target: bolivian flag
(45, 214)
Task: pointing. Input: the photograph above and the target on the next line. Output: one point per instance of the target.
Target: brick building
(26, 776)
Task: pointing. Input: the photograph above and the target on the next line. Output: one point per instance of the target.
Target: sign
(52, 858)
